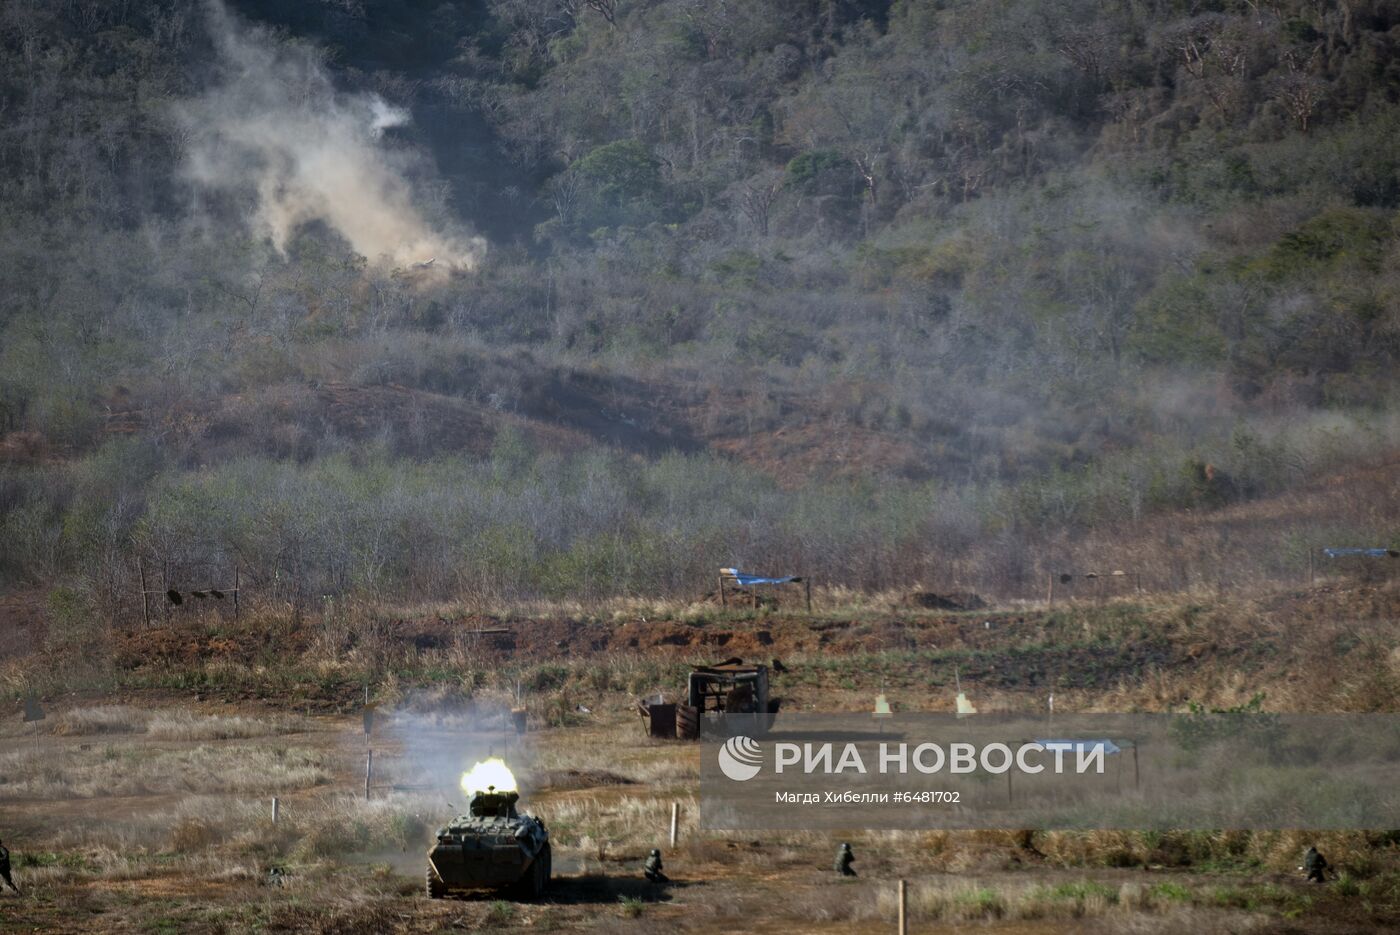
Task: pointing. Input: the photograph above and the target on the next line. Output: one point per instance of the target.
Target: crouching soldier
(1315, 865)
(5, 867)
(653, 868)
(844, 859)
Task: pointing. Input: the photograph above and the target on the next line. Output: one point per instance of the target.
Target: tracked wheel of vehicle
(437, 889)
(536, 879)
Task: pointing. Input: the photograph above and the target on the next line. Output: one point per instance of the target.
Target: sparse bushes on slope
(1049, 257)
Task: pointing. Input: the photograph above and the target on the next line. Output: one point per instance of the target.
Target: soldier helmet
(656, 852)
(845, 847)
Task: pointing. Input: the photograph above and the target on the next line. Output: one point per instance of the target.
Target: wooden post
(1050, 593)
(274, 809)
(675, 820)
(808, 582)
(722, 601)
(369, 768)
(235, 592)
(903, 903)
(145, 598)
(1310, 566)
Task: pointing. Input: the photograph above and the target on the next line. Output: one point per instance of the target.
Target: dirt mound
(955, 601)
(1025, 649)
(699, 640)
(187, 643)
(559, 780)
(770, 598)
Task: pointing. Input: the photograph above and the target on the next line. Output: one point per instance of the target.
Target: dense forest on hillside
(571, 298)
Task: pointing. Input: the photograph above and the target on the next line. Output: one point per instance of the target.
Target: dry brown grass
(196, 788)
(102, 719)
(166, 724)
(93, 771)
(182, 725)
(353, 866)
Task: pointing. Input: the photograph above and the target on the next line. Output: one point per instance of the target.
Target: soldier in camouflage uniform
(5, 867)
(1316, 866)
(844, 859)
(653, 868)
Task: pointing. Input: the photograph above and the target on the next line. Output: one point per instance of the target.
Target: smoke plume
(274, 126)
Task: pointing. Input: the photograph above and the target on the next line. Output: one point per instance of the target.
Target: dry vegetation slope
(793, 436)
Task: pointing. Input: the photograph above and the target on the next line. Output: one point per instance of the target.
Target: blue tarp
(1369, 553)
(1082, 746)
(747, 580)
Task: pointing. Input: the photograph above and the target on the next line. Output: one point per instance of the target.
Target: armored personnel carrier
(491, 847)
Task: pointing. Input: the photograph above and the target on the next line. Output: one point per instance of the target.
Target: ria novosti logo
(740, 758)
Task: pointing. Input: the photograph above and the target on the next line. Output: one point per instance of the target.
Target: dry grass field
(142, 803)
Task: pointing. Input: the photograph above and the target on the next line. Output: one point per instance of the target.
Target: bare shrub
(191, 834)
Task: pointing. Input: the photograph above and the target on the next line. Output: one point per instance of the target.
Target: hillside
(540, 299)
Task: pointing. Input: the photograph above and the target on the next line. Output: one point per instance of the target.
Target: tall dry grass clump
(165, 724)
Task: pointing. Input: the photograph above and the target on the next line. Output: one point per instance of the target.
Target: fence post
(903, 916)
(145, 598)
(369, 767)
(274, 809)
(808, 582)
(675, 820)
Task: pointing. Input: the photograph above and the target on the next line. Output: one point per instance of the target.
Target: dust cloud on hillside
(275, 126)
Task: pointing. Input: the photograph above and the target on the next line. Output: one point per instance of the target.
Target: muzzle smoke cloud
(276, 126)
